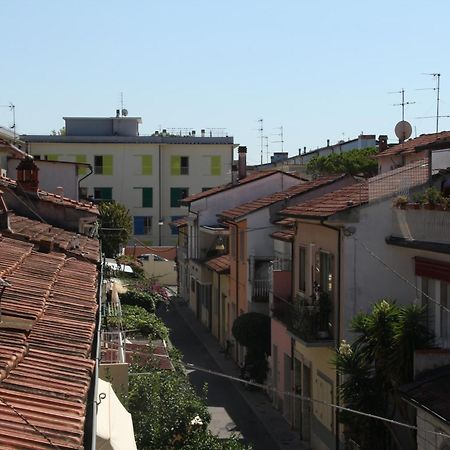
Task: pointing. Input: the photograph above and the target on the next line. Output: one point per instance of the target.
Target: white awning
(114, 423)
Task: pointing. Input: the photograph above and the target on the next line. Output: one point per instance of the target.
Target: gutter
(338, 323)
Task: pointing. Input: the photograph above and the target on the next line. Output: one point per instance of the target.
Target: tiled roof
(9, 183)
(301, 188)
(67, 241)
(331, 203)
(283, 235)
(248, 179)
(48, 323)
(165, 252)
(410, 145)
(181, 222)
(220, 264)
(431, 392)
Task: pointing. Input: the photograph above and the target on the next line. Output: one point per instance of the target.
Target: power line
(300, 397)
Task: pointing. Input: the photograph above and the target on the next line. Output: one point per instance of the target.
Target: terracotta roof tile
(53, 198)
(283, 235)
(67, 241)
(220, 264)
(410, 145)
(248, 179)
(301, 188)
(331, 203)
(45, 372)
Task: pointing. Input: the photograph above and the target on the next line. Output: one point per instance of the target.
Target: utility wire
(301, 397)
(18, 413)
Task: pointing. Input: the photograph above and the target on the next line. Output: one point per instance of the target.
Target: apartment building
(150, 175)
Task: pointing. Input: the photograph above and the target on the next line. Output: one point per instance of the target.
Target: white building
(148, 174)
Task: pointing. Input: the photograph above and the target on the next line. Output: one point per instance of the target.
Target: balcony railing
(261, 290)
(307, 322)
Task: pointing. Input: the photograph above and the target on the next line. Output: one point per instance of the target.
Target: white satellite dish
(403, 130)
(124, 112)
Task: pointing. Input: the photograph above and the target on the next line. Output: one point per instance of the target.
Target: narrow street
(221, 392)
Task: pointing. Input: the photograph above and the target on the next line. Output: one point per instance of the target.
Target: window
(147, 164)
(142, 225)
(179, 165)
(215, 165)
(176, 195)
(103, 164)
(173, 228)
(302, 269)
(324, 271)
(81, 159)
(147, 197)
(103, 193)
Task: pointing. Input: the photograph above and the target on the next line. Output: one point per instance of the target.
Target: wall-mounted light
(220, 247)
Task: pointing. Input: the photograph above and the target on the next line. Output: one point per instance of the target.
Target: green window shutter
(107, 164)
(81, 159)
(147, 197)
(215, 165)
(176, 195)
(175, 165)
(52, 157)
(147, 164)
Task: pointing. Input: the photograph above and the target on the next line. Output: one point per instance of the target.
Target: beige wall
(164, 271)
(117, 375)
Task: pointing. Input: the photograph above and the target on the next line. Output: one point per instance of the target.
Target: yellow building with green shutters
(149, 174)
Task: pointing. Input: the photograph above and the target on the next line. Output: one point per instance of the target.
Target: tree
(375, 366)
(253, 331)
(353, 162)
(60, 132)
(115, 227)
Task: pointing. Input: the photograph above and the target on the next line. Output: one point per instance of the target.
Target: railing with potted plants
(431, 198)
(309, 319)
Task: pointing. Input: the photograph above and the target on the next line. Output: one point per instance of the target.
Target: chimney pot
(4, 215)
(382, 142)
(28, 175)
(117, 112)
(202, 132)
(45, 245)
(328, 142)
(242, 163)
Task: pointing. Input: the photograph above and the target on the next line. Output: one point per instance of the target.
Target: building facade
(150, 175)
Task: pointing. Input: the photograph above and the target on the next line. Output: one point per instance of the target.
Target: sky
(321, 69)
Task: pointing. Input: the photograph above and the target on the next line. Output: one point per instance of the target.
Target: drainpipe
(338, 322)
(159, 194)
(82, 178)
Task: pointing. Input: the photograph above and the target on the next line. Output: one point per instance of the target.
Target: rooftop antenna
(437, 77)
(281, 137)
(403, 103)
(123, 111)
(261, 135)
(12, 108)
(266, 138)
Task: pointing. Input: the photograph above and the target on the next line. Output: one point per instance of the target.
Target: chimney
(28, 175)
(242, 163)
(45, 245)
(202, 132)
(304, 150)
(117, 112)
(4, 215)
(382, 142)
(234, 174)
(328, 142)
(193, 133)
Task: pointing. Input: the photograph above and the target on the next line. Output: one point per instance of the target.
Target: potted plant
(401, 201)
(433, 197)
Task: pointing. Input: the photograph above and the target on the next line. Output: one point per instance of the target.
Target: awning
(114, 423)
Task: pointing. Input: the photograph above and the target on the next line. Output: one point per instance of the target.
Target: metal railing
(261, 290)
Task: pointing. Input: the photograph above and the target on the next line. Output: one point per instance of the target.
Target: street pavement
(233, 408)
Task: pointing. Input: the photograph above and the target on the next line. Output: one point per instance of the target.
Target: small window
(103, 164)
(324, 271)
(184, 165)
(103, 193)
(179, 165)
(142, 225)
(176, 195)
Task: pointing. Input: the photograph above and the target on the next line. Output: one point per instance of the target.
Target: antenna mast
(12, 108)
(403, 103)
(261, 135)
(266, 138)
(437, 76)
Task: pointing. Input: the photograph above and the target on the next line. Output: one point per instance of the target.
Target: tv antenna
(281, 137)
(12, 108)
(123, 111)
(266, 138)
(437, 77)
(261, 135)
(403, 103)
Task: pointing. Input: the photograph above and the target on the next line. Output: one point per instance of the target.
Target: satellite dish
(124, 112)
(403, 130)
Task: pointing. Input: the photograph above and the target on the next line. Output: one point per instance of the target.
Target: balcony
(310, 323)
(261, 291)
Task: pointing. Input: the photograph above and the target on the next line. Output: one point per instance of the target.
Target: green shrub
(139, 298)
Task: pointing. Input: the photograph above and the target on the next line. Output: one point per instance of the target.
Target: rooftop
(220, 264)
(293, 191)
(331, 203)
(248, 179)
(48, 322)
(415, 144)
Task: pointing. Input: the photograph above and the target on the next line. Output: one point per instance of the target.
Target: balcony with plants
(307, 318)
(422, 219)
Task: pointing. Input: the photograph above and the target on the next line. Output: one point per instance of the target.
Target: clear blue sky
(322, 69)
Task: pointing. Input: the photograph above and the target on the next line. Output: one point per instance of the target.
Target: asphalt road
(221, 392)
